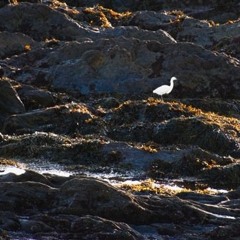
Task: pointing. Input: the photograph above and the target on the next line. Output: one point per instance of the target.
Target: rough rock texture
(69, 207)
(10, 102)
(76, 80)
(19, 18)
(33, 97)
(15, 43)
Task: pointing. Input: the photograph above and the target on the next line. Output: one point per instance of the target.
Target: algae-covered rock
(76, 94)
(59, 119)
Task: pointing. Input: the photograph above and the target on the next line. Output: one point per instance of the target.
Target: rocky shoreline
(76, 82)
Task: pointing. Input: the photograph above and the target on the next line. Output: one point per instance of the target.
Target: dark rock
(197, 133)
(91, 227)
(229, 108)
(188, 162)
(67, 207)
(9, 221)
(84, 74)
(152, 20)
(120, 69)
(202, 33)
(203, 198)
(15, 43)
(225, 176)
(26, 197)
(65, 118)
(10, 103)
(35, 98)
(229, 46)
(1, 72)
(58, 26)
(33, 226)
(75, 197)
(108, 103)
(136, 33)
(231, 231)
(186, 29)
(185, 126)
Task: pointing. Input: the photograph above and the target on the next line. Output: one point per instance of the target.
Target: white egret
(165, 89)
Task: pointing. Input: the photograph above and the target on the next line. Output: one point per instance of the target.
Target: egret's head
(173, 78)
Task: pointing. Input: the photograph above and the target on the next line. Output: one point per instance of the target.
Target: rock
(100, 63)
(118, 5)
(75, 197)
(175, 131)
(92, 227)
(76, 94)
(109, 102)
(224, 176)
(70, 203)
(173, 124)
(229, 46)
(50, 119)
(1, 72)
(188, 162)
(136, 33)
(231, 231)
(152, 20)
(201, 33)
(187, 29)
(9, 221)
(229, 108)
(120, 58)
(91, 72)
(105, 202)
(10, 103)
(26, 197)
(143, 156)
(33, 97)
(15, 43)
(58, 26)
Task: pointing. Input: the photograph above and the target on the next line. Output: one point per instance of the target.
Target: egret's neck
(171, 83)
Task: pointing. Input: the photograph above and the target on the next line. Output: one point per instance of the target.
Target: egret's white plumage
(165, 89)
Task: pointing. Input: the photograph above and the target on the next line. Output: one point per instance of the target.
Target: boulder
(33, 97)
(62, 118)
(19, 18)
(147, 64)
(26, 197)
(202, 33)
(187, 29)
(81, 196)
(174, 123)
(10, 102)
(15, 43)
(92, 227)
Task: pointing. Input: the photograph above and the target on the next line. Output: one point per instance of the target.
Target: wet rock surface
(76, 82)
(78, 207)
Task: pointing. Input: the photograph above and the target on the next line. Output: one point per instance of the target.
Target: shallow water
(118, 179)
(115, 178)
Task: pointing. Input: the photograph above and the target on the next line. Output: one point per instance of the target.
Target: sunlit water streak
(11, 169)
(113, 177)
